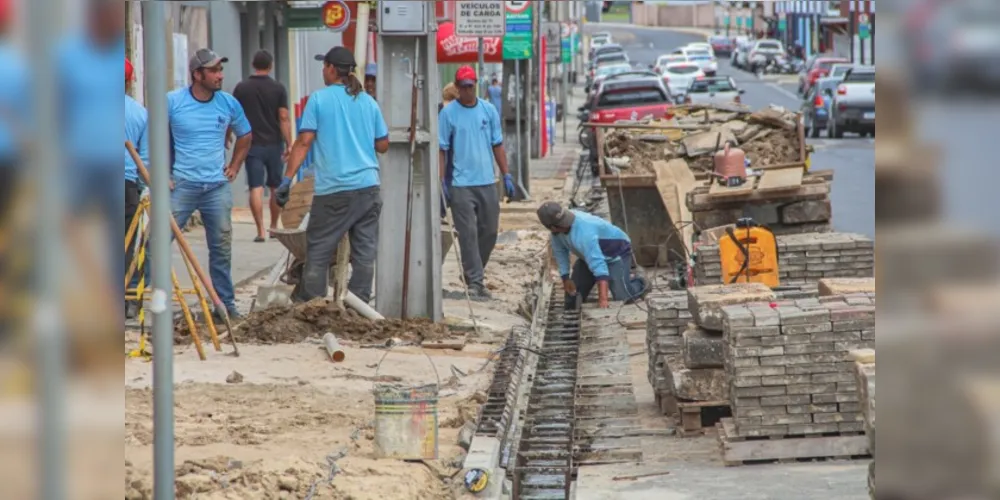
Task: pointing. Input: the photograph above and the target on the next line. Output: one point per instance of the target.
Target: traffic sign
(566, 30)
(518, 43)
(481, 18)
(864, 26)
(336, 15)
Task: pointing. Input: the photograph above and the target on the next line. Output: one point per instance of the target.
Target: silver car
(854, 104)
(713, 90)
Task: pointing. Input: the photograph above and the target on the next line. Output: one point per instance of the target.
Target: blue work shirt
(136, 120)
(470, 133)
(198, 133)
(90, 90)
(15, 100)
(594, 240)
(496, 97)
(346, 129)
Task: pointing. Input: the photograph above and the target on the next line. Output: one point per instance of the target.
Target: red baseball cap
(128, 70)
(465, 77)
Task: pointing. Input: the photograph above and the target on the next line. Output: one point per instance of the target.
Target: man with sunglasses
(604, 256)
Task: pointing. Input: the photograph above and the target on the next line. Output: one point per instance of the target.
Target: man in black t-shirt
(265, 102)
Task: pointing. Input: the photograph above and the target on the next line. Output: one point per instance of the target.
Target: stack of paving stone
(803, 258)
(787, 364)
(864, 373)
(666, 320)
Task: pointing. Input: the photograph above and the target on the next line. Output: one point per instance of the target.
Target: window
(683, 70)
(827, 64)
(860, 77)
(631, 97)
(840, 70)
(698, 53)
(711, 86)
(769, 46)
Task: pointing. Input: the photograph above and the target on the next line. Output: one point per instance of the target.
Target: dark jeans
(264, 166)
(623, 285)
(476, 211)
(356, 214)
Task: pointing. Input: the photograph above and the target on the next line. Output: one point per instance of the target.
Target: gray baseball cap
(552, 214)
(205, 58)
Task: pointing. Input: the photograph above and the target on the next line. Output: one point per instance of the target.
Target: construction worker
(200, 116)
(603, 251)
(495, 93)
(448, 95)
(346, 126)
(14, 107)
(265, 102)
(136, 120)
(470, 133)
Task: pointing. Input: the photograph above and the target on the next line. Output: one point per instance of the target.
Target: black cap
(339, 57)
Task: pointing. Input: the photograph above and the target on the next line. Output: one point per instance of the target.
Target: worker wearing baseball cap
(136, 120)
(200, 116)
(346, 126)
(371, 77)
(603, 251)
(471, 135)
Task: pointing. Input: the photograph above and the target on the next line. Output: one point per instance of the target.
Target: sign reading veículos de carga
(480, 18)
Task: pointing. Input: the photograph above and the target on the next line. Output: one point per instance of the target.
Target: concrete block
(706, 303)
(827, 408)
(701, 384)
(759, 411)
(844, 286)
(702, 349)
(756, 392)
(807, 211)
(798, 399)
(807, 329)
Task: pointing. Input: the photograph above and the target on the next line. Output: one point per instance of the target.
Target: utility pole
(564, 19)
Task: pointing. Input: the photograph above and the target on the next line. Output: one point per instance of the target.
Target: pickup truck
(853, 107)
(630, 97)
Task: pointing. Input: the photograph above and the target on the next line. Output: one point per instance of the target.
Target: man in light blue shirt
(495, 92)
(200, 116)
(346, 126)
(469, 129)
(603, 251)
(136, 120)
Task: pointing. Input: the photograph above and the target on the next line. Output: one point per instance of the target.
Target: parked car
(606, 71)
(854, 104)
(820, 68)
(721, 45)
(840, 69)
(817, 104)
(678, 77)
(608, 48)
(601, 38)
(763, 51)
(701, 46)
(740, 57)
(631, 96)
(713, 90)
(704, 58)
(663, 61)
(951, 46)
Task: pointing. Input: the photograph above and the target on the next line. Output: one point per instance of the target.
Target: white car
(704, 58)
(702, 46)
(679, 76)
(663, 61)
(713, 90)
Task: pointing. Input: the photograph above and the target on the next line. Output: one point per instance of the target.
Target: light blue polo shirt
(136, 120)
(198, 133)
(346, 129)
(91, 87)
(471, 133)
(15, 102)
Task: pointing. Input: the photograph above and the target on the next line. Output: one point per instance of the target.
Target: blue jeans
(97, 186)
(622, 284)
(214, 200)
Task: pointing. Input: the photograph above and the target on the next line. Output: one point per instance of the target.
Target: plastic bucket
(406, 419)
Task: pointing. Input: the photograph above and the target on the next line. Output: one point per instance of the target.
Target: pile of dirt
(769, 137)
(294, 324)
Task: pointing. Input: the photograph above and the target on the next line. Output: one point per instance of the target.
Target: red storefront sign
(452, 48)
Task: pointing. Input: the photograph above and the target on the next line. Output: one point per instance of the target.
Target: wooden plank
(738, 452)
(674, 179)
(718, 191)
(701, 202)
(786, 179)
(299, 203)
(701, 404)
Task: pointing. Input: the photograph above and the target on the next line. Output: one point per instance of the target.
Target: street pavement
(852, 159)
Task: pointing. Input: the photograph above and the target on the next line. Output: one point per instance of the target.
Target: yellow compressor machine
(749, 254)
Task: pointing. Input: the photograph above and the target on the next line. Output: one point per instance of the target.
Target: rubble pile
(804, 258)
(769, 137)
(788, 368)
(864, 374)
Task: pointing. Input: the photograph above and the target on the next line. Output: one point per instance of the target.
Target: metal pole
(519, 96)
(481, 87)
(45, 162)
(851, 28)
(154, 39)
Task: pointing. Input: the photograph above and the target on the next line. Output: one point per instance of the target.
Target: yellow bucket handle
(422, 351)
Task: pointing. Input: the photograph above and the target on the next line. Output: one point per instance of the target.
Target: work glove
(508, 183)
(284, 192)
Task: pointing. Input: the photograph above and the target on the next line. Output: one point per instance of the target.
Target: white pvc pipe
(364, 309)
(333, 348)
(361, 36)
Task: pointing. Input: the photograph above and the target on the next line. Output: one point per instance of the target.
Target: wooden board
(718, 191)
(736, 452)
(785, 179)
(674, 179)
(299, 203)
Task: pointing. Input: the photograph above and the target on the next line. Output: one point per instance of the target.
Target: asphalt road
(852, 158)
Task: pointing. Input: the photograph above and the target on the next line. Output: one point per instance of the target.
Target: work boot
(479, 293)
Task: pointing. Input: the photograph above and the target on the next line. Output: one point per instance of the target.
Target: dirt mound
(289, 325)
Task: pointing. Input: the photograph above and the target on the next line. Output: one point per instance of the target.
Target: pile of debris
(769, 137)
